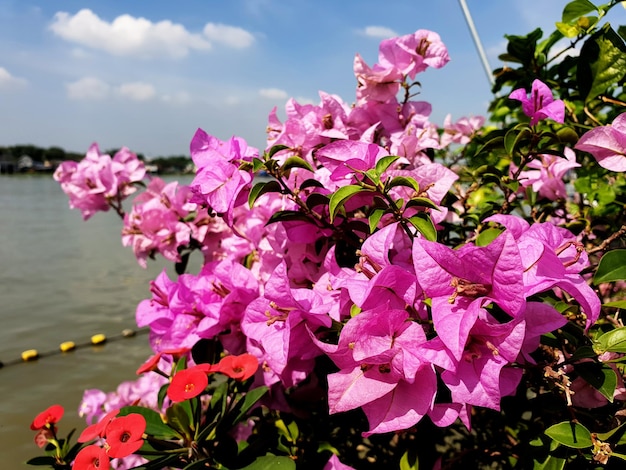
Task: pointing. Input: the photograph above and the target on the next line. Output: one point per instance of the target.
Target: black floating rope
(69, 346)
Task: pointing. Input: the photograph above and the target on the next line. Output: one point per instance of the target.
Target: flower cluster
(349, 269)
(99, 182)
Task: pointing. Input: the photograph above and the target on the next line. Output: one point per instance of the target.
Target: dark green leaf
(296, 162)
(600, 377)
(316, 199)
(178, 419)
(262, 188)
(422, 202)
(270, 462)
(42, 461)
(339, 197)
(612, 267)
(570, 434)
(275, 149)
(249, 400)
(311, 182)
(257, 165)
(425, 226)
(283, 216)
(404, 181)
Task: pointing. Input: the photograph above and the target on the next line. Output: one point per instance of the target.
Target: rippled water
(61, 279)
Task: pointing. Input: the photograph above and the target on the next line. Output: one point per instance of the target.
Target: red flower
(187, 383)
(238, 367)
(92, 457)
(124, 435)
(47, 418)
(150, 364)
(97, 430)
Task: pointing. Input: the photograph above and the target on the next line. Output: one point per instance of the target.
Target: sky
(146, 74)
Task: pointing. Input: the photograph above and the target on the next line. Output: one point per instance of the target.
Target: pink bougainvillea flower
(124, 435)
(92, 457)
(47, 418)
(335, 464)
(541, 104)
(545, 174)
(97, 430)
(607, 144)
(187, 383)
(240, 367)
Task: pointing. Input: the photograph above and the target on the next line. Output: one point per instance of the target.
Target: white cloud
(178, 98)
(231, 36)
(380, 32)
(9, 82)
(88, 88)
(137, 91)
(127, 35)
(273, 93)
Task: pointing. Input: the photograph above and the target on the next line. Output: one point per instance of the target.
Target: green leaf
(611, 341)
(487, 236)
(602, 63)
(270, 462)
(249, 400)
(404, 181)
(408, 463)
(374, 218)
(422, 202)
(612, 267)
(316, 199)
(262, 188)
(296, 162)
(551, 463)
(568, 30)
(616, 304)
(154, 423)
(42, 461)
(275, 149)
(424, 225)
(570, 434)
(339, 197)
(384, 163)
(605, 436)
(576, 9)
(284, 216)
(600, 377)
(516, 137)
(257, 165)
(178, 419)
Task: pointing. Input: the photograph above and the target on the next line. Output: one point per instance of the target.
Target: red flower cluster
(44, 423)
(191, 382)
(123, 437)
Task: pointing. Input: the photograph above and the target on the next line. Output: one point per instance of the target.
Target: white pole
(476, 38)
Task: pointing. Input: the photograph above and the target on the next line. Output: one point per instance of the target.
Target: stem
(602, 246)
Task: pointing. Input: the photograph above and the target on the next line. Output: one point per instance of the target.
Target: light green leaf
(570, 434)
(374, 218)
(611, 341)
(404, 181)
(487, 236)
(612, 267)
(616, 304)
(576, 9)
(602, 63)
(384, 163)
(338, 199)
(407, 463)
(601, 377)
(424, 225)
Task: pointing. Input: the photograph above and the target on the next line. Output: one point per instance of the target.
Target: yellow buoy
(30, 355)
(67, 346)
(98, 339)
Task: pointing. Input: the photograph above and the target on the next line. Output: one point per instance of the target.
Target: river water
(61, 279)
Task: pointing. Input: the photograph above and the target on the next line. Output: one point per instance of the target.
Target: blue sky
(147, 73)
